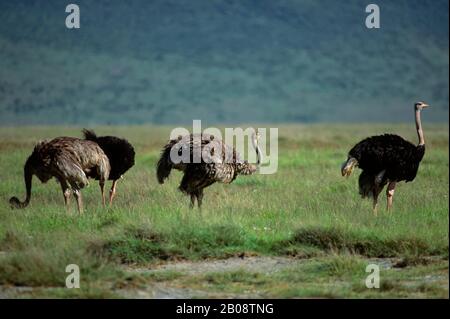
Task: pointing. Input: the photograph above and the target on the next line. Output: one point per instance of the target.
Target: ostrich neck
(258, 155)
(419, 128)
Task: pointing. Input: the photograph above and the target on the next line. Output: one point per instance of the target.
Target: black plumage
(386, 159)
(120, 153)
(399, 158)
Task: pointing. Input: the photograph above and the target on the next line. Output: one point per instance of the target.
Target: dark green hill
(222, 61)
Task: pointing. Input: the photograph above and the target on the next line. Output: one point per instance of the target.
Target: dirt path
(258, 264)
(162, 289)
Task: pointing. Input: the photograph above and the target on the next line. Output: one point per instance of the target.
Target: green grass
(333, 276)
(305, 210)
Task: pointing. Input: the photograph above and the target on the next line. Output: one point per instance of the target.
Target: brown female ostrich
(71, 161)
(215, 166)
(120, 154)
(386, 159)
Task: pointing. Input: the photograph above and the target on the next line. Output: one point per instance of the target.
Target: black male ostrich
(386, 159)
(120, 154)
(71, 161)
(219, 163)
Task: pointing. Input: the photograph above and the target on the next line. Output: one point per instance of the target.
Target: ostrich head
(419, 106)
(246, 168)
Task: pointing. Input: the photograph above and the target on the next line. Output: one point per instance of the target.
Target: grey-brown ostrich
(386, 159)
(219, 163)
(71, 161)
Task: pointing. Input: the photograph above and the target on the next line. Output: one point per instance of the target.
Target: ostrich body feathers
(218, 163)
(119, 151)
(385, 158)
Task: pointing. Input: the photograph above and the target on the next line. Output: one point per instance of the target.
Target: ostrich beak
(422, 105)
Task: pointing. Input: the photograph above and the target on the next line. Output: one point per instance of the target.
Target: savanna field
(302, 232)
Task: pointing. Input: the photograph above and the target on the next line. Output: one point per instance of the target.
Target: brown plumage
(71, 161)
(219, 163)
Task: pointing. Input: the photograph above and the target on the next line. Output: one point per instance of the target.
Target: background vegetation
(168, 61)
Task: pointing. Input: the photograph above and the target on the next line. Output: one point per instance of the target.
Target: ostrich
(120, 154)
(71, 161)
(386, 159)
(223, 166)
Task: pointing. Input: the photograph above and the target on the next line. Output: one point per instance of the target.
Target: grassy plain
(305, 212)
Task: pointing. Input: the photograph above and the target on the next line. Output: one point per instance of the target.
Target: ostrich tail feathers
(164, 165)
(89, 135)
(366, 185)
(370, 185)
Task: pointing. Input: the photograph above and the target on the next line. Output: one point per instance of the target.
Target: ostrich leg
(390, 194)
(79, 199)
(199, 198)
(377, 187)
(375, 205)
(376, 193)
(112, 192)
(192, 201)
(188, 186)
(102, 188)
(67, 192)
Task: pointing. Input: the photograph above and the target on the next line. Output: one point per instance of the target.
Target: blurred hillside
(168, 61)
